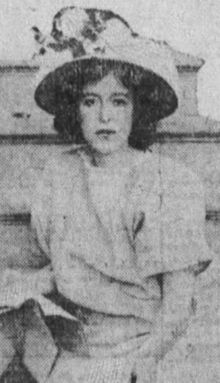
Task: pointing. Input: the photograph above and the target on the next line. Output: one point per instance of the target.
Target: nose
(105, 112)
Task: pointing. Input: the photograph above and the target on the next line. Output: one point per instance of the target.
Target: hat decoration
(79, 34)
(85, 32)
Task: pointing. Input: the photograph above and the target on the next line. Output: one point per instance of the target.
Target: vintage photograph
(110, 191)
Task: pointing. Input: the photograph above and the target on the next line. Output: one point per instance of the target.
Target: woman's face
(106, 114)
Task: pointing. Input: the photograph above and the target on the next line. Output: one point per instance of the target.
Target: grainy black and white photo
(110, 191)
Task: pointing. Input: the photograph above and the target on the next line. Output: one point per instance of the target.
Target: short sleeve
(41, 208)
(173, 236)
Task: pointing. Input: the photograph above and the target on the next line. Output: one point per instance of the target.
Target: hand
(14, 288)
(44, 280)
(19, 285)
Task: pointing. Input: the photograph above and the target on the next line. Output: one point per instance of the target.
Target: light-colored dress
(130, 226)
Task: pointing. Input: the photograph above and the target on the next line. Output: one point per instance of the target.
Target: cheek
(125, 117)
(87, 120)
(85, 127)
(88, 114)
(85, 115)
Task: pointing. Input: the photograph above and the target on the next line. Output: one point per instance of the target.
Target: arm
(175, 312)
(38, 275)
(17, 284)
(37, 280)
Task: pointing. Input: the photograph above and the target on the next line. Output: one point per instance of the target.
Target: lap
(54, 350)
(69, 369)
(11, 337)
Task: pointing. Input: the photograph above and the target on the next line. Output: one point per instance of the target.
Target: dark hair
(136, 79)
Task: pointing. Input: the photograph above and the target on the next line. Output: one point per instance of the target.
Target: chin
(109, 148)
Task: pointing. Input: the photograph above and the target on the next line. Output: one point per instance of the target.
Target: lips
(105, 132)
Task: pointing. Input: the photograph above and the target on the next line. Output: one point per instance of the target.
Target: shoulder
(168, 176)
(175, 178)
(65, 164)
(58, 177)
(59, 172)
(183, 194)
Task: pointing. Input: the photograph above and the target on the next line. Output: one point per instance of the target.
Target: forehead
(106, 86)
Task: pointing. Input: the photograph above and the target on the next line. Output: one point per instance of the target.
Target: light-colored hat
(84, 34)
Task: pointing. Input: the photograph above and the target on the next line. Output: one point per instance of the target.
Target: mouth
(105, 132)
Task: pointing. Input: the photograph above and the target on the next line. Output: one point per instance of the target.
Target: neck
(113, 160)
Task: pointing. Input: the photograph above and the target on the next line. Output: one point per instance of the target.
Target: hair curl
(136, 79)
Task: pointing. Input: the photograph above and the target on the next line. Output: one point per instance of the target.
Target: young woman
(120, 226)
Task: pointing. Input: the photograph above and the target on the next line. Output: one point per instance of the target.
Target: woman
(120, 226)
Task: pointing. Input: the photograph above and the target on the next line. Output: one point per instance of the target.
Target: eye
(88, 102)
(119, 101)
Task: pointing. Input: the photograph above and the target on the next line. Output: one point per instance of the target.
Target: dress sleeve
(41, 208)
(173, 236)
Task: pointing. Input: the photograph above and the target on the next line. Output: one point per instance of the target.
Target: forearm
(37, 280)
(164, 336)
(162, 340)
(173, 318)
(42, 280)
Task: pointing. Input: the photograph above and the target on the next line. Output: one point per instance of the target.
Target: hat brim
(54, 83)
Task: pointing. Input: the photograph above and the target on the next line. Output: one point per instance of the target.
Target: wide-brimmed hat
(80, 34)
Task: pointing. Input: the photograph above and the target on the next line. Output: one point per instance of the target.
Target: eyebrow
(90, 94)
(118, 94)
(126, 94)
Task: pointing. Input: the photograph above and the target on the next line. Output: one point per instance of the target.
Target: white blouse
(130, 226)
(154, 212)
